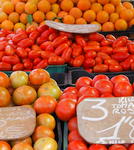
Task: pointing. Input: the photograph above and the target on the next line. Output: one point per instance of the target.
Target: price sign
(107, 120)
(16, 122)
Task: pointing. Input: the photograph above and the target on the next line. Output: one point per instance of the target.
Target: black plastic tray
(75, 74)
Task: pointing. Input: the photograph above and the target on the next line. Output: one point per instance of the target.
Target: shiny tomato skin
(90, 54)
(106, 49)
(119, 78)
(74, 136)
(71, 90)
(111, 62)
(72, 124)
(81, 98)
(88, 91)
(97, 147)
(99, 77)
(100, 68)
(115, 68)
(68, 95)
(83, 81)
(122, 89)
(66, 109)
(131, 147)
(104, 86)
(77, 145)
(107, 95)
(98, 60)
(88, 63)
(117, 147)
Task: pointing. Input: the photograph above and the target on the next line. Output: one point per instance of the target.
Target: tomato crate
(65, 136)
(76, 74)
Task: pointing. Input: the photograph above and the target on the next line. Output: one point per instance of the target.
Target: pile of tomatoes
(43, 46)
(85, 87)
(38, 91)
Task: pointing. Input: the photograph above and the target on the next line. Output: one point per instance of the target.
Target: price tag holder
(106, 120)
(16, 122)
(73, 28)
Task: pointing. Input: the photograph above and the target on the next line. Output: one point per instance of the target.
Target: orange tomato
(41, 132)
(4, 146)
(39, 76)
(22, 146)
(4, 80)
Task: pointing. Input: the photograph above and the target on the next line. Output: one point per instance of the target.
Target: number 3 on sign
(98, 107)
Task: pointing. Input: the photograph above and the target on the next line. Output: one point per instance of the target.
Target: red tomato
(117, 147)
(122, 89)
(97, 147)
(115, 68)
(132, 66)
(78, 61)
(131, 147)
(66, 109)
(72, 124)
(71, 90)
(88, 91)
(99, 77)
(107, 95)
(68, 95)
(90, 54)
(82, 98)
(106, 49)
(96, 37)
(100, 68)
(106, 42)
(119, 78)
(74, 136)
(77, 145)
(88, 63)
(104, 86)
(111, 62)
(120, 56)
(98, 60)
(110, 37)
(92, 43)
(103, 55)
(120, 49)
(83, 81)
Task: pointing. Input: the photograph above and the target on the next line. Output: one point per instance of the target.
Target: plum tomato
(72, 124)
(77, 145)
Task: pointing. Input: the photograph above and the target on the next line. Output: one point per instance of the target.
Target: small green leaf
(30, 19)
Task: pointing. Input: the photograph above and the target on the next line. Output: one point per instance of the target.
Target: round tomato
(83, 81)
(72, 124)
(131, 147)
(68, 95)
(19, 78)
(4, 80)
(45, 104)
(46, 120)
(4, 146)
(66, 109)
(39, 76)
(122, 89)
(88, 91)
(117, 147)
(77, 145)
(24, 95)
(104, 86)
(71, 90)
(119, 78)
(22, 146)
(46, 144)
(5, 97)
(74, 136)
(82, 98)
(107, 95)
(97, 147)
(99, 77)
(41, 132)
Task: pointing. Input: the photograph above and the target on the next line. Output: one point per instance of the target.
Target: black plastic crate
(76, 74)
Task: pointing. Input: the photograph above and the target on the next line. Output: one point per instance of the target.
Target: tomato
(18, 78)
(99, 77)
(117, 147)
(42, 132)
(115, 68)
(81, 98)
(119, 78)
(29, 95)
(9, 50)
(90, 54)
(120, 41)
(96, 37)
(74, 136)
(106, 42)
(78, 61)
(111, 62)
(4, 145)
(120, 49)
(4, 80)
(45, 104)
(21, 146)
(100, 68)
(5, 97)
(97, 147)
(47, 120)
(103, 55)
(107, 95)
(88, 91)
(39, 76)
(46, 144)
(77, 145)
(122, 89)
(120, 56)
(92, 43)
(106, 49)
(71, 90)
(68, 95)
(77, 50)
(98, 60)
(88, 63)
(110, 37)
(72, 124)
(104, 86)
(132, 66)
(83, 81)
(66, 109)
(131, 147)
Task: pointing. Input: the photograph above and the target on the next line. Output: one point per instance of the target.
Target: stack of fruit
(109, 14)
(99, 86)
(39, 92)
(38, 48)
